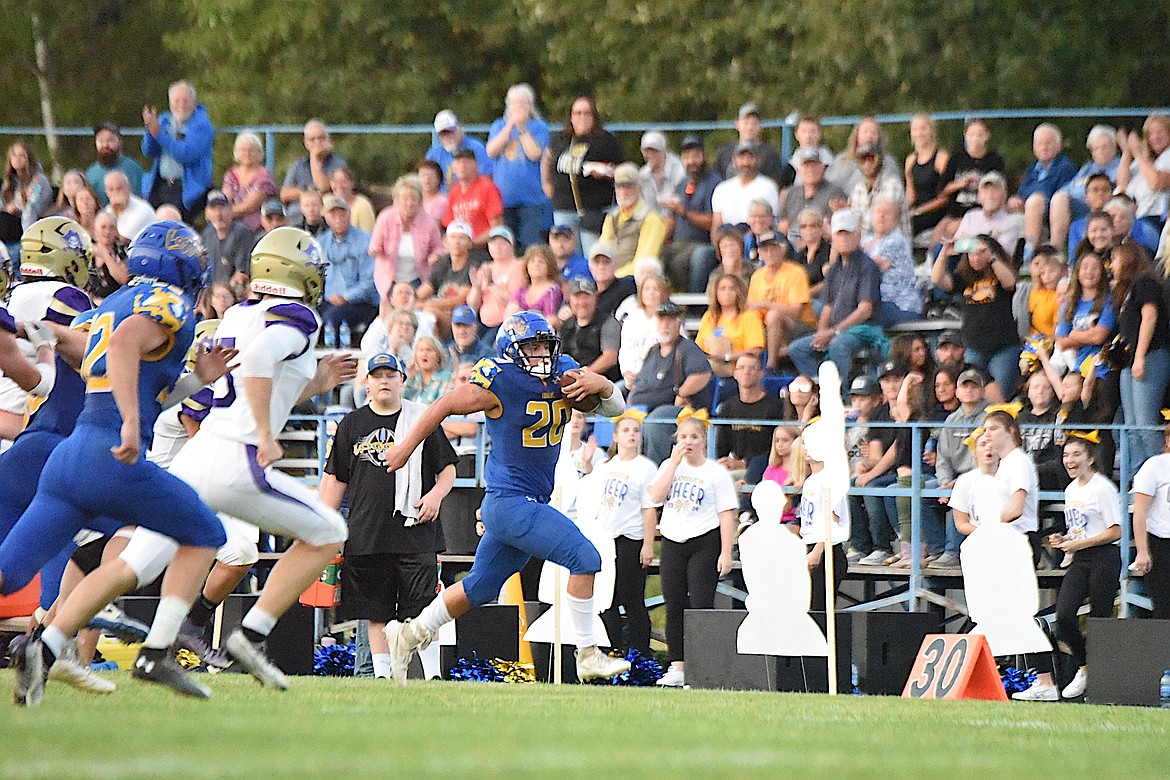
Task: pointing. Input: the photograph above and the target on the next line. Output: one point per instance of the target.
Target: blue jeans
(1003, 365)
(528, 224)
(1141, 400)
(883, 513)
(357, 315)
(656, 438)
(585, 238)
(888, 314)
(841, 350)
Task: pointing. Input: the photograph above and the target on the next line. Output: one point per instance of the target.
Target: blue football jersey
(526, 430)
(6, 321)
(57, 412)
(157, 372)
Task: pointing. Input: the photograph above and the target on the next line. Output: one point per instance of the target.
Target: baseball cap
(864, 385)
(385, 360)
(993, 179)
(745, 146)
(464, 153)
(692, 141)
(464, 315)
(271, 206)
(626, 173)
(446, 120)
(335, 202)
(891, 368)
(107, 125)
(844, 219)
(805, 154)
(767, 237)
(216, 198)
(501, 231)
(669, 308)
(747, 109)
(601, 249)
(561, 230)
(581, 284)
(459, 226)
(971, 375)
(652, 139)
(950, 337)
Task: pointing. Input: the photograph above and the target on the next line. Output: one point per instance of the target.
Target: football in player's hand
(587, 404)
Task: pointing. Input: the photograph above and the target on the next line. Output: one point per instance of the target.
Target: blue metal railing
(786, 125)
(919, 586)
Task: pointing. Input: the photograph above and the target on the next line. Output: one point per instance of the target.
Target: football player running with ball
(527, 409)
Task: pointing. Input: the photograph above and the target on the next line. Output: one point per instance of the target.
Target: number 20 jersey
(157, 371)
(527, 428)
(231, 414)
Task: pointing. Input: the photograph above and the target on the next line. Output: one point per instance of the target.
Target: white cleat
(1038, 692)
(592, 664)
(673, 678)
(404, 639)
(251, 657)
(70, 670)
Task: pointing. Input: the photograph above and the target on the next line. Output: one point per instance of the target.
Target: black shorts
(89, 556)
(388, 586)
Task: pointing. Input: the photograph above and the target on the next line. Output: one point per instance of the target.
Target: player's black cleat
(160, 666)
(191, 638)
(252, 657)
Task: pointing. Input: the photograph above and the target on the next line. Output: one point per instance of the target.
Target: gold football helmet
(289, 262)
(56, 247)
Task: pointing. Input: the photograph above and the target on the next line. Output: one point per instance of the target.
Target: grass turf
(344, 727)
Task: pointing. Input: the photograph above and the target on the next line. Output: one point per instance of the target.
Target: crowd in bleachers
(1044, 276)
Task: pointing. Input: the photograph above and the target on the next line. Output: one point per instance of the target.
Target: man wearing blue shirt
(178, 144)
(107, 139)
(1051, 171)
(448, 139)
(350, 295)
(690, 256)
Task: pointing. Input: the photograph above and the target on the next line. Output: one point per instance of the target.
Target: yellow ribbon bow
(1013, 409)
(689, 413)
(629, 414)
(1090, 436)
(974, 437)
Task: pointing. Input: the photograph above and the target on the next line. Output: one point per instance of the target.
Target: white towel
(408, 481)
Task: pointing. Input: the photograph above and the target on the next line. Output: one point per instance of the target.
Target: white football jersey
(231, 416)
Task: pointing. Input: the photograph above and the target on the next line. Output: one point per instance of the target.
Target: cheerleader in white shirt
(1016, 473)
(629, 513)
(1092, 519)
(698, 527)
(812, 519)
(1151, 527)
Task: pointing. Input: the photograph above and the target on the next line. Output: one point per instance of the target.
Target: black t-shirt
(596, 194)
(357, 459)
(814, 266)
(1039, 443)
(987, 312)
(445, 281)
(747, 441)
(1145, 289)
(585, 343)
(661, 376)
(962, 164)
(609, 299)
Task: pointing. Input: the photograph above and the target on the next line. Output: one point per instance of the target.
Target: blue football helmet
(171, 252)
(524, 328)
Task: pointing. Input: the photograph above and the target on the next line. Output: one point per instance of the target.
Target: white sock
(582, 614)
(382, 665)
(167, 620)
(435, 615)
(54, 639)
(430, 661)
(259, 621)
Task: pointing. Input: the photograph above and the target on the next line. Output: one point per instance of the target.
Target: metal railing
(921, 585)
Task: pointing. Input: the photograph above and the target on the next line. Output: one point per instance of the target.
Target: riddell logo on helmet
(270, 288)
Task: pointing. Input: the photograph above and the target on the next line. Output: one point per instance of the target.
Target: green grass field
(328, 727)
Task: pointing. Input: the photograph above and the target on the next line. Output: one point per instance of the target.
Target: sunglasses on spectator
(800, 387)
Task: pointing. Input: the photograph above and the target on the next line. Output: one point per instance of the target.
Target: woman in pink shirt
(404, 254)
(541, 291)
(434, 201)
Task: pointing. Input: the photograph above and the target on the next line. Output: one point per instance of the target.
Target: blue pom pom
(475, 670)
(1016, 680)
(334, 661)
